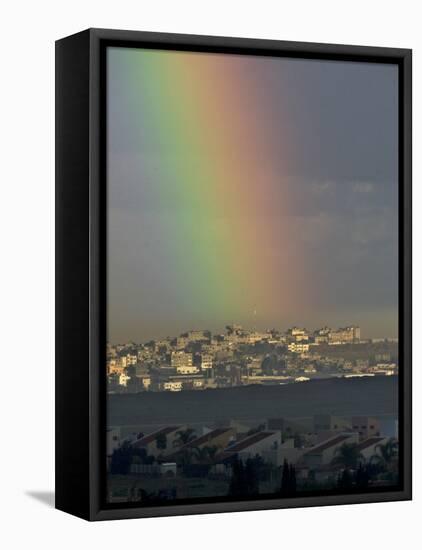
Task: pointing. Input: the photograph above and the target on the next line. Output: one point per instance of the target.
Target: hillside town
(200, 360)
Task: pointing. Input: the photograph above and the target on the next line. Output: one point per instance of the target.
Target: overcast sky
(340, 120)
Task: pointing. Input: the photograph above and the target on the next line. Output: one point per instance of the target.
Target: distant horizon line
(242, 327)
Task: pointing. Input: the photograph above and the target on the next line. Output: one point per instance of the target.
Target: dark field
(336, 396)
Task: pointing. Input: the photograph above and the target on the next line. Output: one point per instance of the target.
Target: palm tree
(347, 456)
(204, 455)
(386, 454)
(184, 437)
(212, 450)
(161, 441)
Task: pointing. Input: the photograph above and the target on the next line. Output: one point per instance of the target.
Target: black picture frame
(81, 266)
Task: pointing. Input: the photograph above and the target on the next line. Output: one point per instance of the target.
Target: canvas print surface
(252, 277)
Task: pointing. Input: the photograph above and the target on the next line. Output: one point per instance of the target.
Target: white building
(183, 362)
(346, 335)
(366, 426)
(324, 452)
(160, 441)
(173, 385)
(123, 378)
(249, 447)
(298, 347)
(206, 361)
(369, 447)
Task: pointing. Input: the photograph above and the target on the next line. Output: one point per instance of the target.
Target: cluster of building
(199, 360)
(310, 445)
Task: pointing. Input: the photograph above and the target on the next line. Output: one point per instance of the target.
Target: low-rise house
(250, 446)
(324, 452)
(183, 381)
(158, 442)
(368, 447)
(172, 385)
(278, 454)
(218, 437)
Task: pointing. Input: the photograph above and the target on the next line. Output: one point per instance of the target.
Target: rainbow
(221, 175)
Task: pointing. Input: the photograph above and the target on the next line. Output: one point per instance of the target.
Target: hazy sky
(261, 191)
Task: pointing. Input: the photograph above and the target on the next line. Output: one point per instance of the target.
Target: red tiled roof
(232, 450)
(248, 441)
(206, 438)
(327, 444)
(369, 442)
(153, 436)
(197, 442)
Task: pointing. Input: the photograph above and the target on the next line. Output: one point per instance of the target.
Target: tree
(386, 454)
(347, 456)
(269, 364)
(184, 437)
(345, 479)
(161, 441)
(292, 479)
(251, 477)
(288, 479)
(236, 487)
(124, 456)
(204, 455)
(245, 478)
(285, 476)
(184, 456)
(362, 477)
(121, 459)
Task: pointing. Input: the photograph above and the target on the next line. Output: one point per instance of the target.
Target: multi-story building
(181, 342)
(328, 422)
(114, 366)
(254, 337)
(347, 335)
(187, 369)
(298, 347)
(198, 336)
(298, 334)
(206, 361)
(366, 426)
(181, 360)
(321, 335)
(162, 345)
(131, 359)
(123, 379)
